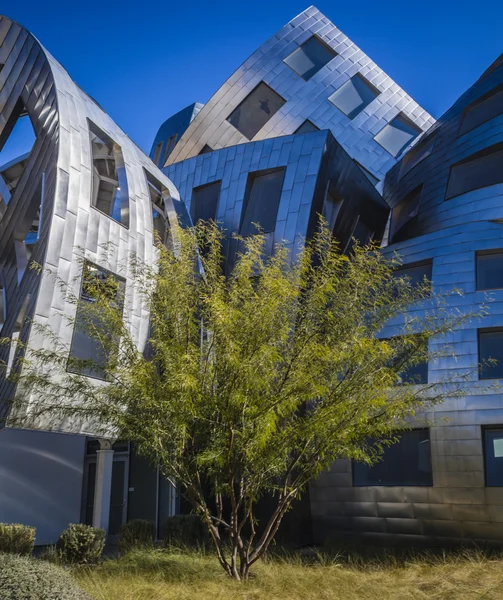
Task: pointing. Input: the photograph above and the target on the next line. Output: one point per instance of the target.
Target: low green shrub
(16, 539)
(25, 578)
(185, 530)
(81, 544)
(136, 534)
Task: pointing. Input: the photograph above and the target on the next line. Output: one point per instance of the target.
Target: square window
(490, 270)
(405, 463)
(493, 455)
(309, 58)
(480, 170)
(354, 95)
(261, 203)
(491, 353)
(255, 110)
(397, 134)
(307, 127)
(204, 203)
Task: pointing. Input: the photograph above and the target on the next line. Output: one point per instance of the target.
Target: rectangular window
(307, 127)
(404, 216)
(490, 270)
(204, 203)
(354, 95)
(169, 147)
(157, 153)
(397, 134)
(493, 455)
(480, 170)
(416, 272)
(88, 355)
(405, 463)
(491, 353)
(331, 206)
(261, 203)
(417, 154)
(362, 234)
(255, 110)
(309, 58)
(109, 183)
(484, 109)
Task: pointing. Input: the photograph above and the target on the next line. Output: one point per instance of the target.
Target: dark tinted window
(331, 206)
(480, 170)
(491, 349)
(204, 203)
(493, 450)
(486, 108)
(490, 270)
(353, 96)
(87, 355)
(307, 127)
(362, 233)
(170, 146)
(309, 58)
(263, 193)
(408, 462)
(157, 153)
(397, 134)
(403, 214)
(416, 272)
(415, 374)
(417, 154)
(255, 110)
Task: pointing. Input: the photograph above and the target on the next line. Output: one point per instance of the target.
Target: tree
(253, 383)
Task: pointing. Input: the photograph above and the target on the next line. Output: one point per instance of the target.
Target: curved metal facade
(449, 231)
(306, 100)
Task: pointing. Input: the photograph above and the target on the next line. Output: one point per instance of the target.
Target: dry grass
(191, 576)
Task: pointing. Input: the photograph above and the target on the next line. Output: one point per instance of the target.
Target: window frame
(482, 331)
(362, 106)
(405, 166)
(252, 176)
(496, 90)
(478, 254)
(405, 118)
(199, 187)
(300, 46)
(484, 430)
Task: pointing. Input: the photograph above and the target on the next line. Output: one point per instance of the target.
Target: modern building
(307, 125)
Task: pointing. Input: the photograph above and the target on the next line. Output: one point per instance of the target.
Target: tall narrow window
(204, 203)
(91, 343)
(479, 170)
(14, 349)
(109, 189)
(484, 109)
(404, 216)
(405, 463)
(362, 235)
(169, 147)
(158, 196)
(157, 153)
(261, 203)
(354, 95)
(255, 110)
(397, 134)
(331, 206)
(491, 353)
(309, 58)
(28, 230)
(493, 454)
(417, 154)
(490, 270)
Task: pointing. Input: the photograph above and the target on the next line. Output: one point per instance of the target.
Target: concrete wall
(41, 480)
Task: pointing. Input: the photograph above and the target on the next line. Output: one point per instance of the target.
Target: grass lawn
(191, 576)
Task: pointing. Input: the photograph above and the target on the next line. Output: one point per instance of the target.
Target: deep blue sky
(145, 60)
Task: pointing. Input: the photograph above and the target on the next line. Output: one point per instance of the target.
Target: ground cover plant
(253, 381)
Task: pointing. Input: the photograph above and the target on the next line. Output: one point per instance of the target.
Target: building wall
(458, 506)
(41, 480)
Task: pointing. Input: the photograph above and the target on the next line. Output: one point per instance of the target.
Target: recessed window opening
(354, 95)
(397, 134)
(204, 203)
(170, 145)
(482, 110)
(490, 269)
(493, 455)
(14, 349)
(157, 153)
(255, 110)
(88, 355)
(362, 235)
(331, 206)
(307, 127)
(404, 215)
(482, 169)
(405, 463)
(158, 198)
(417, 154)
(491, 353)
(109, 187)
(261, 203)
(309, 58)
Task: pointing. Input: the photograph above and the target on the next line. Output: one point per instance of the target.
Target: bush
(81, 544)
(17, 539)
(138, 533)
(25, 578)
(185, 530)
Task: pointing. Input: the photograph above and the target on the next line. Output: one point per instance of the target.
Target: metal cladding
(56, 179)
(448, 228)
(306, 100)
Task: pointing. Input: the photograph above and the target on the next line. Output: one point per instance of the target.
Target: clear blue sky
(145, 60)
